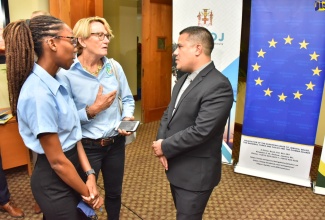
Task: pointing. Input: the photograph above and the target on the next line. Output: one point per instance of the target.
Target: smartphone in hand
(129, 126)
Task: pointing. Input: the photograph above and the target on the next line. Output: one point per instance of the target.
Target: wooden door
(70, 11)
(156, 58)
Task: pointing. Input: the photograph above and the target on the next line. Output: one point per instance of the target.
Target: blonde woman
(95, 89)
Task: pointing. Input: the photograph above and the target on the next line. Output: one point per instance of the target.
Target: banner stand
(319, 184)
(318, 189)
(226, 154)
(281, 112)
(272, 176)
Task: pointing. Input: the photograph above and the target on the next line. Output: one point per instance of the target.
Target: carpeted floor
(146, 190)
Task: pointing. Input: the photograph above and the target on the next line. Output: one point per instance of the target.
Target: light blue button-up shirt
(44, 106)
(83, 88)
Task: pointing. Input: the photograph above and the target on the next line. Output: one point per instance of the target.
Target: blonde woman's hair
(82, 29)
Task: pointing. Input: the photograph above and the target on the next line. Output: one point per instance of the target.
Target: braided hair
(23, 38)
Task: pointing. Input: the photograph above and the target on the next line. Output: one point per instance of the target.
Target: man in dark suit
(191, 130)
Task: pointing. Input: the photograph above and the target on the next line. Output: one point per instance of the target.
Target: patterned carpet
(146, 190)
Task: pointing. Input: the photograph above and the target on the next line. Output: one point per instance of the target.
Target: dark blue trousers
(4, 192)
(110, 161)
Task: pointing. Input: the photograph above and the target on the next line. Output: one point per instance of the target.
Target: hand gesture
(103, 101)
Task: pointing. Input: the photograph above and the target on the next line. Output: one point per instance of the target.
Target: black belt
(104, 142)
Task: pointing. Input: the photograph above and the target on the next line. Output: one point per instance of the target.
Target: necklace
(99, 67)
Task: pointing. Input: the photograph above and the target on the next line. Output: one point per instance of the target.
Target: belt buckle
(103, 142)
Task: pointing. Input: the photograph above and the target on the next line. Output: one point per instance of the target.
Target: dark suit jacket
(193, 135)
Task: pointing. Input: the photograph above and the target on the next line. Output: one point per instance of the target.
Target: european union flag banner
(285, 81)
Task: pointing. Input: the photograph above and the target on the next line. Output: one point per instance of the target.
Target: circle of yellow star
(310, 86)
(288, 40)
(256, 67)
(272, 43)
(297, 95)
(267, 92)
(316, 71)
(261, 53)
(282, 97)
(303, 44)
(258, 81)
(313, 56)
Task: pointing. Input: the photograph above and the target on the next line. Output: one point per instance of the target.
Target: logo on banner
(319, 5)
(205, 17)
(218, 39)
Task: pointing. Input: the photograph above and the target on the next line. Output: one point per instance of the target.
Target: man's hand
(102, 101)
(156, 146)
(164, 162)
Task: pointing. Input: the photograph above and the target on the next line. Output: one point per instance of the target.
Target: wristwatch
(91, 171)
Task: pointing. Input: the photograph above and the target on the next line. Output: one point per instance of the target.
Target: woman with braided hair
(47, 117)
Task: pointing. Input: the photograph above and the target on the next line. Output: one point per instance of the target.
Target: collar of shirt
(77, 64)
(49, 80)
(196, 72)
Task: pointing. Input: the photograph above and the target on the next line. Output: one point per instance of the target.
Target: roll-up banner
(285, 81)
(223, 19)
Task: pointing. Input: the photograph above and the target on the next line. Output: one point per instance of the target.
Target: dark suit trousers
(4, 192)
(190, 205)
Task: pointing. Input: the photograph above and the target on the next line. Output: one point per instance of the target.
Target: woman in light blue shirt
(95, 90)
(47, 117)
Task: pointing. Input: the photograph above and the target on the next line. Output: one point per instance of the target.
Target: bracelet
(89, 116)
(91, 171)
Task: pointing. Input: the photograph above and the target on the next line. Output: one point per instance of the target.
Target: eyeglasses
(73, 40)
(101, 36)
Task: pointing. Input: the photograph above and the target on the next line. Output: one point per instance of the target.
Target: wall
(122, 17)
(22, 9)
(18, 9)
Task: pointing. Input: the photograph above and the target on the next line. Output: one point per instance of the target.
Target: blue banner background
(285, 79)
